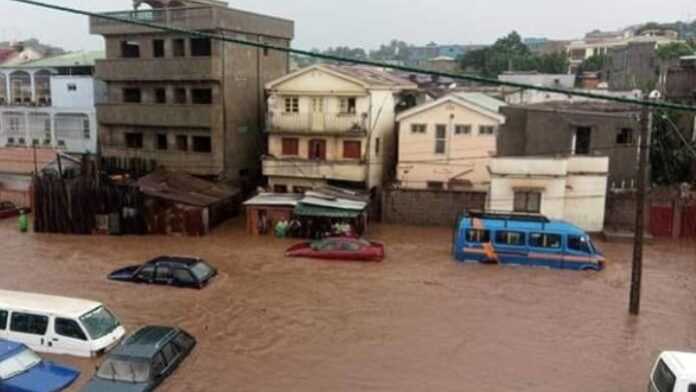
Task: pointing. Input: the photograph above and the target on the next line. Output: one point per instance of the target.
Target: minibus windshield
(99, 322)
(18, 364)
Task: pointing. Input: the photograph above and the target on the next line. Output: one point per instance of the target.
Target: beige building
(447, 144)
(189, 103)
(573, 188)
(596, 45)
(331, 125)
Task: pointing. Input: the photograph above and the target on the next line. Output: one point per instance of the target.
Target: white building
(331, 125)
(50, 103)
(573, 188)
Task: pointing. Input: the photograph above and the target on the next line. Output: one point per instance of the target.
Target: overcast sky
(367, 23)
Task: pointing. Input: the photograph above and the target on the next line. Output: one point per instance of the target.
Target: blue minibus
(524, 239)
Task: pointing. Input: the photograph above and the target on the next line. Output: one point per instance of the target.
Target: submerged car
(348, 249)
(22, 370)
(167, 270)
(8, 210)
(142, 361)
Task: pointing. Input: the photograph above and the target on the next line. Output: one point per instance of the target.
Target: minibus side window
(663, 378)
(578, 244)
(3, 319)
(478, 236)
(69, 329)
(29, 323)
(512, 238)
(543, 240)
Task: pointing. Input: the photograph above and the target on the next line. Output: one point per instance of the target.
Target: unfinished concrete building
(189, 103)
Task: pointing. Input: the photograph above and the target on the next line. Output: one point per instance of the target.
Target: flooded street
(417, 322)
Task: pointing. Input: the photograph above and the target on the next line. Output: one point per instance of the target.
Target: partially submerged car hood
(124, 273)
(100, 385)
(45, 377)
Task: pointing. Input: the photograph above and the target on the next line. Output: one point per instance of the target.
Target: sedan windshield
(99, 322)
(18, 364)
(122, 370)
(201, 270)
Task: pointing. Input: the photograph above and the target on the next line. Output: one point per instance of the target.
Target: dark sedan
(167, 270)
(143, 361)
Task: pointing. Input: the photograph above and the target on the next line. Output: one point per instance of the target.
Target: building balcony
(159, 69)
(160, 115)
(318, 123)
(354, 171)
(189, 162)
(193, 18)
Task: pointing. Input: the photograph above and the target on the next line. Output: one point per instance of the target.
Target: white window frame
(440, 139)
(292, 104)
(464, 128)
(419, 128)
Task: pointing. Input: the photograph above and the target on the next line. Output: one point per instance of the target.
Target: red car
(347, 249)
(8, 210)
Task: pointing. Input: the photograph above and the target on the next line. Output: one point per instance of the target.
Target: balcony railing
(196, 18)
(193, 116)
(182, 68)
(355, 171)
(318, 122)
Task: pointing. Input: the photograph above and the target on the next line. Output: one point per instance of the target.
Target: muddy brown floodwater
(417, 322)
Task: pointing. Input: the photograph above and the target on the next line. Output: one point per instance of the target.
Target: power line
(470, 78)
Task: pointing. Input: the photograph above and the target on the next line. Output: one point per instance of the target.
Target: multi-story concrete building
(600, 44)
(557, 129)
(189, 103)
(332, 125)
(447, 144)
(50, 103)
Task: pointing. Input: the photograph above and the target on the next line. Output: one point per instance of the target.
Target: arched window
(20, 85)
(42, 84)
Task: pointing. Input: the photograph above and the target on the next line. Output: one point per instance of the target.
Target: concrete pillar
(54, 141)
(32, 78)
(27, 134)
(8, 87)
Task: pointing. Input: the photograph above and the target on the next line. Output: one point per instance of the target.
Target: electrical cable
(470, 78)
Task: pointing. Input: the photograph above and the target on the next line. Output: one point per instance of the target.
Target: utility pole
(637, 271)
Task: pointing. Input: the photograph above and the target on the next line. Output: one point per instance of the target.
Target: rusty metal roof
(184, 188)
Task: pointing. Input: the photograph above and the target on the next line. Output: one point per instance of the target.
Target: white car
(673, 372)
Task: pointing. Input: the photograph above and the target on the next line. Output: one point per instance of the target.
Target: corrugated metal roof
(75, 59)
(275, 199)
(371, 75)
(482, 100)
(184, 188)
(325, 212)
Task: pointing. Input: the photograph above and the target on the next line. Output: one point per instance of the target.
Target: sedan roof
(187, 261)
(145, 343)
(9, 349)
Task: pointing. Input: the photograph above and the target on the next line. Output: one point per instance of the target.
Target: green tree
(671, 159)
(395, 50)
(593, 64)
(675, 50)
(510, 53)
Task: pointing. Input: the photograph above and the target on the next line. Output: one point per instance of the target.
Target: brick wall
(428, 208)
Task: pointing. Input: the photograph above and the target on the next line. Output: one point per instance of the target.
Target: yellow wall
(466, 156)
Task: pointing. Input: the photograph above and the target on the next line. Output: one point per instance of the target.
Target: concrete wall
(535, 132)
(632, 67)
(64, 97)
(422, 207)
(466, 156)
(571, 189)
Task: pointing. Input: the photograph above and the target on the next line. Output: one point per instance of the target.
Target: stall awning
(325, 212)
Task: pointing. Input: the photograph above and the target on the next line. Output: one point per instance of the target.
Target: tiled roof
(21, 160)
